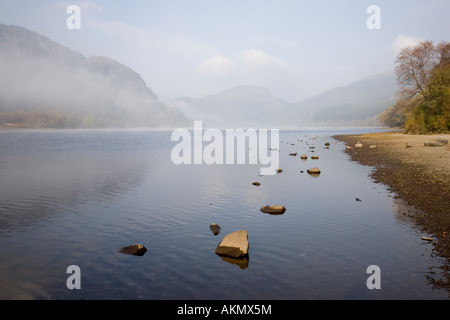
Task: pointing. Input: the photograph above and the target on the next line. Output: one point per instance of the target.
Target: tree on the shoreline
(414, 68)
(423, 75)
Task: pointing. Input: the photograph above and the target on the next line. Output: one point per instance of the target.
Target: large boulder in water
(234, 245)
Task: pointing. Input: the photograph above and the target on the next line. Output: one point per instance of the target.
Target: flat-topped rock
(274, 209)
(234, 245)
(313, 171)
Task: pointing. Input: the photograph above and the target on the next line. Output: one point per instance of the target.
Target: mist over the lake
(40, 75)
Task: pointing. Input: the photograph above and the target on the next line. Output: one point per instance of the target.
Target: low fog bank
(43, 84)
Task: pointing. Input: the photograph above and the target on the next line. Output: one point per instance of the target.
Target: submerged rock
(276, 209)
(234, 245)
(134, 249)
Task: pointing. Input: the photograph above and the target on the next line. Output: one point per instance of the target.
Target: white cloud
(216, 66)
(402, 41)
(260, 58)
(248, 61)
(251, 67)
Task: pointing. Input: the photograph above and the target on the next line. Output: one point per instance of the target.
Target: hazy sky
(294, 48)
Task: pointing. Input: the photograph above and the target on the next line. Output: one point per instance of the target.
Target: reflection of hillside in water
(35, 189)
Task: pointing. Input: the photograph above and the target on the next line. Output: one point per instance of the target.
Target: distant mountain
(355, 104)
(358, 103)
(241, 106)
(45, 84)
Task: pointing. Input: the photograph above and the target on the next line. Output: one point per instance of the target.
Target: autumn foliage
(423, 75)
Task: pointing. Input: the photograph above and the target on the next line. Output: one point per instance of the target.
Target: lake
(75, 197)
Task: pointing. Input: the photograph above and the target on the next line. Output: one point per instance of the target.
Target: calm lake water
(75, 197)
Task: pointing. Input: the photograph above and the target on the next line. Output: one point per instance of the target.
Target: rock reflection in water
(240, 262)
